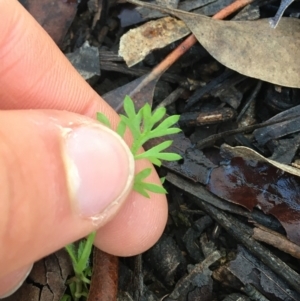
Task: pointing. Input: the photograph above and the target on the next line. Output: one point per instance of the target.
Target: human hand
(60, 169)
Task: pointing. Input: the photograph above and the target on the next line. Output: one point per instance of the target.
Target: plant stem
(78, 291)
(83, 260)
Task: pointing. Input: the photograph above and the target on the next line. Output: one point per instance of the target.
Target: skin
(34, 74)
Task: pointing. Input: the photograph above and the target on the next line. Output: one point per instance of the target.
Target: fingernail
(7, 284)
(100, 168)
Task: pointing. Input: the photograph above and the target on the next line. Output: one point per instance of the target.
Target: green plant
(80, 254)
(144, 125)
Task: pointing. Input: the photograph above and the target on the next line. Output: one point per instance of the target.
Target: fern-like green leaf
(80, 248)
(171, 131)
(158, 115)
(144, 125)
(154, 154)
(154, 188)
(162, 146)
(169, 157)
(142, 175)
(168, 122)
(154, 160)
(121, 128)
(139, 187)
(103, 119)
(129, 107)
(146, 113)
(134, 125)
(138, 184)
(142, 187)
(154, 150)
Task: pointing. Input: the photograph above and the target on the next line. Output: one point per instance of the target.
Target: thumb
(62, 176)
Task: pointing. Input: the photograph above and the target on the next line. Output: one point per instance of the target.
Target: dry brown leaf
(55, 16)
(251, 48)
(251, 180)
(139, 42)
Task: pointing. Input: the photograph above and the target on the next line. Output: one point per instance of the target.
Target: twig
(104, 282)
(275, 239)
(184, 283)
(250, 99)
(156, 73)
(230, 9)
(213, 138)
(171, 98)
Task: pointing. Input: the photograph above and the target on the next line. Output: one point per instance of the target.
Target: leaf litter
(137, 88)
(252, 48)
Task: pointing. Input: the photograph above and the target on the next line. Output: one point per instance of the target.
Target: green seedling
(144, 125)
(80, 256)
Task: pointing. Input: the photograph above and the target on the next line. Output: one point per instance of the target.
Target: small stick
(104, 282)
(156, 73)
(171, 98)
(201, 268)
(275, 239)
(230, 9)
(209, 141)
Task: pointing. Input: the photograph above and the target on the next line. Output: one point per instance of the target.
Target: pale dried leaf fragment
(137, 43)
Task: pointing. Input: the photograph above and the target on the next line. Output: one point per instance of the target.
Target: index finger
(34, 70)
